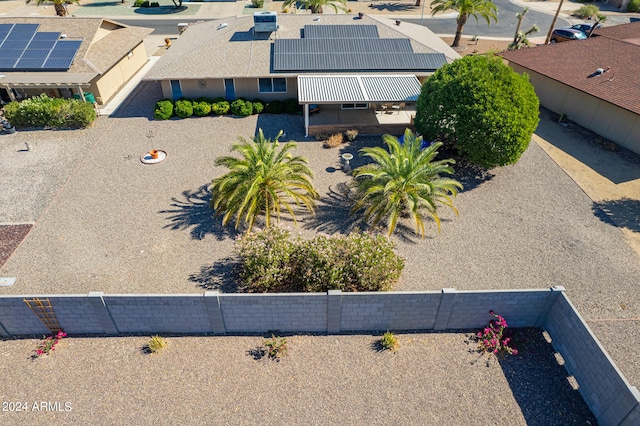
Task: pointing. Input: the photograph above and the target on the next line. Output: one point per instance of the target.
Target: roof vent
(63, 36)
(221, 26)
(599, 71)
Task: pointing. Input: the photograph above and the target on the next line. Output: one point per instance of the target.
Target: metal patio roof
(357, 88)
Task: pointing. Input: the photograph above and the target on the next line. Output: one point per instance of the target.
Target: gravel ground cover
(432, 379)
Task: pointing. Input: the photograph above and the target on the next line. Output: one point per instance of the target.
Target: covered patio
(372, 105)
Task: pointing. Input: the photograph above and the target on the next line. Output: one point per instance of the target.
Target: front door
(229, 89)
(176, 89)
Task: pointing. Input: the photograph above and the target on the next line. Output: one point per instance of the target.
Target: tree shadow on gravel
(623, 213)
(257, 353)
(221, 276)
(540, 385)
(192, 211)
(332, 215)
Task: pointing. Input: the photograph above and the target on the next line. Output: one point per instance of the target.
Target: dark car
(585, 28)
(566, 34)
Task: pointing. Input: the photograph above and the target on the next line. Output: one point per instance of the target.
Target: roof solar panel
(57, 64)
(29, 29)
(23, 48)
(7, 63)
(5, 27)
(29, 64)
(11, 53)
(15, 44)
(46, 36)
(340, 31)
(357, 61)
(36, 53)
(377, 45)
(44, 44)
(68, 44)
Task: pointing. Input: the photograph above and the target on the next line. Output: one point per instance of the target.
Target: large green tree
(404, 181)
(58, 5)
(317, 6)
(481, 107)
(466, 8)
(263, 181)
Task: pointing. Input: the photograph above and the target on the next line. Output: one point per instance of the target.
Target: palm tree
(466, 8)
(59, 5)
(317, 6)
(403, 182)
(262, 181)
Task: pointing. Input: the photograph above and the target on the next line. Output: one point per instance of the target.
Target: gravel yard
(432, 379)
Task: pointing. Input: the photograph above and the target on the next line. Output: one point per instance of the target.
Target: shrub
(201, 109)
(334, 140)
(164, 110)
(586, 12)
(271, 261)
(258, 106)
(491, 340)
(277, 347)
(156, 345)
(291, 106)
(481, 107)
(145, 3)
(220, 108)
(257, 3)
(389, 342)
(138, 3)
(154, 4)
(241, 108)
(184, 108)
(321, 136)
(351, 135)
(633, 6)
(218, 99)
(205, 99)
(43, 111)
(49, 344)
(274, 107)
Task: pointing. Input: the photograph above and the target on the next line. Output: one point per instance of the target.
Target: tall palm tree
(466, 8)
(262, 181)
(59, 5)
(317, 6)
(403, 182)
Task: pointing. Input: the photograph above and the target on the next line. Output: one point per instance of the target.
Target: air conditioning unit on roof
(265, 22)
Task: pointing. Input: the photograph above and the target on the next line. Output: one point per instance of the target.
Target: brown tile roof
(574, 63)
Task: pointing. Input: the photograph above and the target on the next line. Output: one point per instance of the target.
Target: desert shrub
(273, 107)
(291, 106)
(389, 342)
(276, 347)
(241, 108)
(633, 6)
(156, 345)
(351, 135)
(586, 12)
(257, 3)
(164, 109)
(272, 261)
(201, 109)
(184, 108)
(43, 111)
(154, 4)
(321, 136)
(220, 108)
(334, 140)
(258, 106)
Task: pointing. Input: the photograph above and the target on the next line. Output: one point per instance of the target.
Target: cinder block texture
(389, 311)
(260, 313)
(75, 314)
(602, 385)
(334, 311)
(214, 312)
(179, 313)
(17, 319)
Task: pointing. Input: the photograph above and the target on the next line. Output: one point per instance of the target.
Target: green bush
(164, 109)
(273, 107)
(138, 3)
(481, 107)
(205, 99)
(257, 3)
(220, 108)
(258, 106)
(184, 108)
(586, 12)
(633, 6)
(218, 99)
(291, 106)
(241, 108)
(43, 111)
(201, 109)
(154, 4)
(272, 262)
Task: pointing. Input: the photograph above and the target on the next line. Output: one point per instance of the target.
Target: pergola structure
(60, 80)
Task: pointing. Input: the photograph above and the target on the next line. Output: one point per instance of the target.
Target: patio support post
(306, 120)
(81, 92)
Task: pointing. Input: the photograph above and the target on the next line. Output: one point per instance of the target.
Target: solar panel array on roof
(22, 48)
(340, 31)
(336, 45)
(370, 61)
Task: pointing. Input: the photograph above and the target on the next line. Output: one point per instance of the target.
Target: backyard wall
(609, 396)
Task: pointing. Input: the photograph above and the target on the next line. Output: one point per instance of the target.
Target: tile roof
(104, 44)
(211, 50)
(574, 63)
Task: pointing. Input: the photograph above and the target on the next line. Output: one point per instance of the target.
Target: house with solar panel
(69, 57)
(356, 73)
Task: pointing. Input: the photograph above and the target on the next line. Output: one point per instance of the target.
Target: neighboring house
(595, 82)
(65, 57)
(337, 61)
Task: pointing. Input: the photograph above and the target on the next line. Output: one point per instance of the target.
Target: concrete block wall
(75, 314)
(392, 311)
(176, 313)
(260, 313)
(16, 318)
(603, 387)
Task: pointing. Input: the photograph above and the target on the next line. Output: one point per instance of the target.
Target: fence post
(554, 293)
(334, 311)
(446, 306)
(214, 311)
(102, 313)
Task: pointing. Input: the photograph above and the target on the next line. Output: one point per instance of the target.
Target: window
(272, 85)
(355, 106)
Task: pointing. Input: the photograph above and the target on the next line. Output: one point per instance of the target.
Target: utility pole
(553, 23)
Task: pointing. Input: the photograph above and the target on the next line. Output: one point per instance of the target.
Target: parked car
(566, 34)
(585, 28)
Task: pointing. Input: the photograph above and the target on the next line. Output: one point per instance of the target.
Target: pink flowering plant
(49, 344)
(492, 340)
